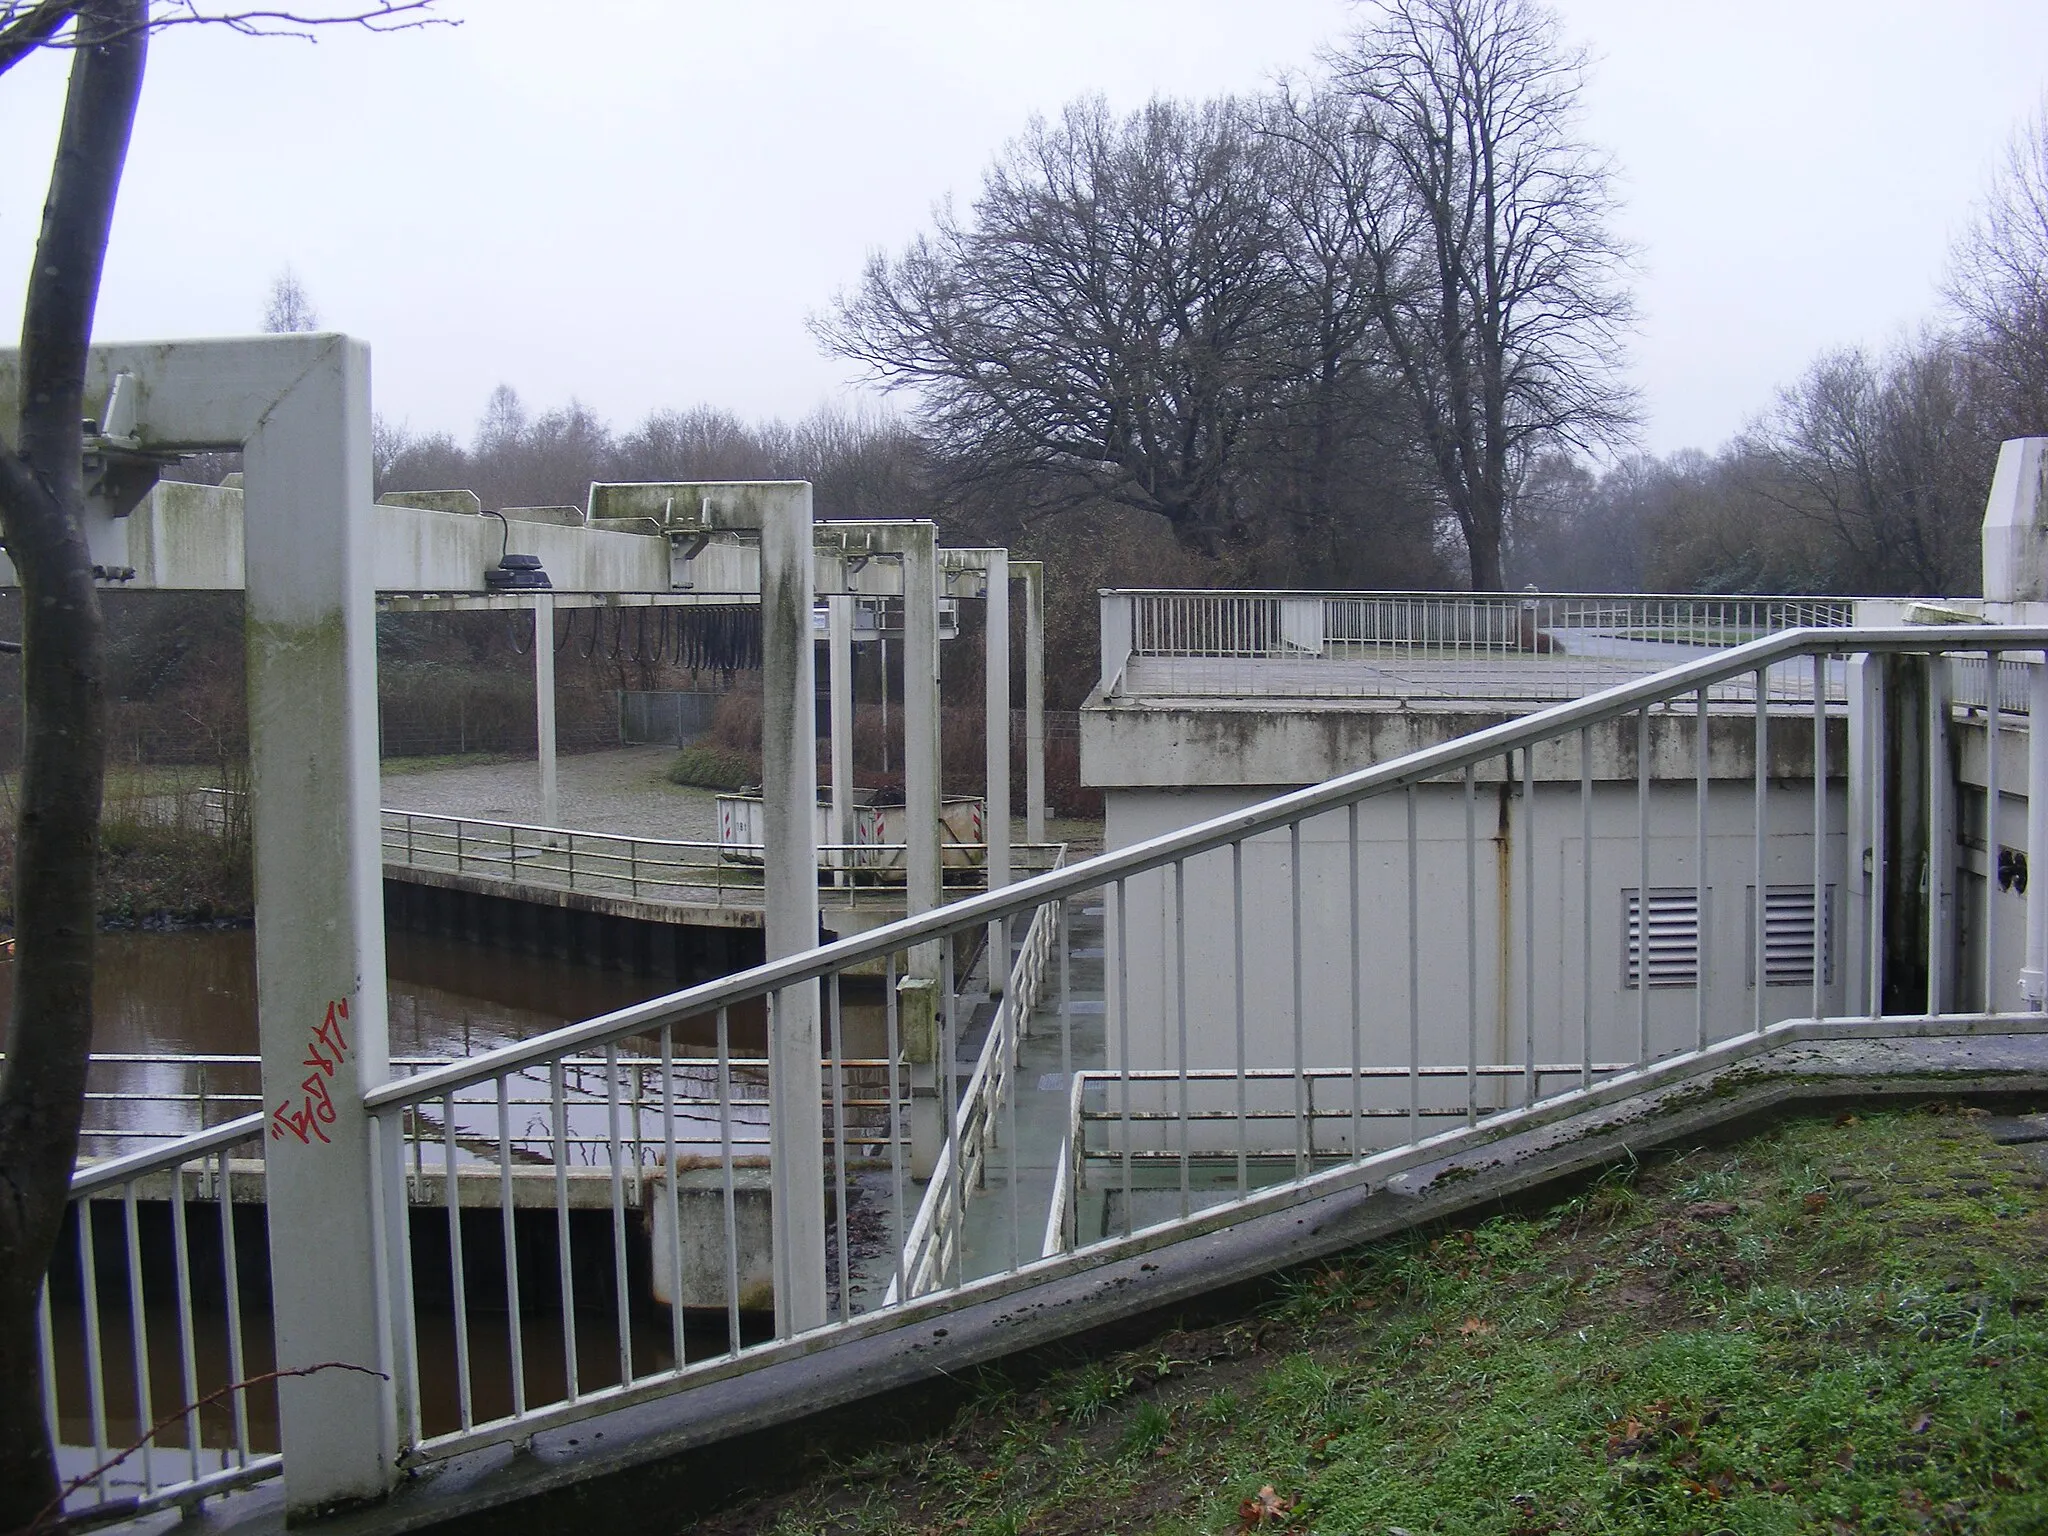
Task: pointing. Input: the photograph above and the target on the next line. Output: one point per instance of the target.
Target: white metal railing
(1539, 771)
(161, 1096)
(150, 1364)
(1304, 982)
(985, 1117)
(674, 871)
(1399, 644)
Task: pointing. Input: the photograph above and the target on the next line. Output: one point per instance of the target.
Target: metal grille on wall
(1791, 935)
(1674, 939)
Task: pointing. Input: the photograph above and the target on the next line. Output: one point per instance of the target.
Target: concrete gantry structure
(304, 538)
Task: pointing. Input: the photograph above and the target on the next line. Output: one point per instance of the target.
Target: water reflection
(192, 995)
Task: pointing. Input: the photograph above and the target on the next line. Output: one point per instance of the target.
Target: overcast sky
(637, 202)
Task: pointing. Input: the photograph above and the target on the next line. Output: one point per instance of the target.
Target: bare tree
(42, 498)
(290, 307)
(1104, 324)
(1888, 460)
(1998, 279)
(1496, 283)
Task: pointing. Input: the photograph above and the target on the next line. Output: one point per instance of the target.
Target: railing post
(917, 1013)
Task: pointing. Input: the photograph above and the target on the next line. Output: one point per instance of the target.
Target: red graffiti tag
(327, 1049)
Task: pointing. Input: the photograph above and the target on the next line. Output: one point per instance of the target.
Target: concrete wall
(1155, 971)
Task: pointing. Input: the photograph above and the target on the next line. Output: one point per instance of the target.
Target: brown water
(194, 994)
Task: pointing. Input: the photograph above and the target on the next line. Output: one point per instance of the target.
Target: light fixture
(514, 573)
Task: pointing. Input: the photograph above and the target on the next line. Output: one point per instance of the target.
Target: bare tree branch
(24, 28)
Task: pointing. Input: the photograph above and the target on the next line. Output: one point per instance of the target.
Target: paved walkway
(624, 791)
(1003, 1230)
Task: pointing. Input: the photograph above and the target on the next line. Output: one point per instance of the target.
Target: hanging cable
(568, 617)
(519, 624)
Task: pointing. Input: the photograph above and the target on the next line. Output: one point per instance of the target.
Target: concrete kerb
(682, 1450)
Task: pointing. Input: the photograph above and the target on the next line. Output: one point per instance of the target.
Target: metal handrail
(134, 1165)
(1452, 595)
(1153, 853)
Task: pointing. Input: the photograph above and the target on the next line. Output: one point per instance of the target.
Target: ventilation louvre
(1674, 938)
(1792, 937)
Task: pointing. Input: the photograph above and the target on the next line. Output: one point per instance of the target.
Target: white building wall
(1173, 964)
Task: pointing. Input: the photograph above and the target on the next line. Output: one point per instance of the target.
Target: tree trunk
(49, 1033)
(1483, 544)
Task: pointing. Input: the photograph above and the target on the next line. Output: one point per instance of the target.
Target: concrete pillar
(917, 1015)
(544, 704)
(1033, 574)
(840, 657)
(1117, 636)
(921, 733)
(312, 671)
(789, 771)
(2016, 524)
(2034, 976)
(995, 666)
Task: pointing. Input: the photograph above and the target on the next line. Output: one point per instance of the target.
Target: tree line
(1363, 330)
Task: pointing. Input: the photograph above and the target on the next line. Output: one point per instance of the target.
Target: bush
(714, 768)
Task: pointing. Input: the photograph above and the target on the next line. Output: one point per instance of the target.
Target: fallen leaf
(1711, 1210)
(1266, 1507)
(1816, 1202)
(1474, 1326)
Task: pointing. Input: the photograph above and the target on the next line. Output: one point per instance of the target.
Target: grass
(164, 860)
(399, 767)
(1834, 1327)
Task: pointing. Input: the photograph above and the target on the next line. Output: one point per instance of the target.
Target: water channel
(185, 995)
(165, 1002)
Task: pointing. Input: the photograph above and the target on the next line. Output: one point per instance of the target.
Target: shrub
(713, 768)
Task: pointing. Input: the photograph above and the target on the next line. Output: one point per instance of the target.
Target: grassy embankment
(166, 858)
(1833, 1327)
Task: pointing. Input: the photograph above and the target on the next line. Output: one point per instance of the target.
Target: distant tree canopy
(1336, 318)
(862, 464)
(1236, 343)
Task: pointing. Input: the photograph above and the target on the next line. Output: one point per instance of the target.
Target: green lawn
(1835, 1327)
